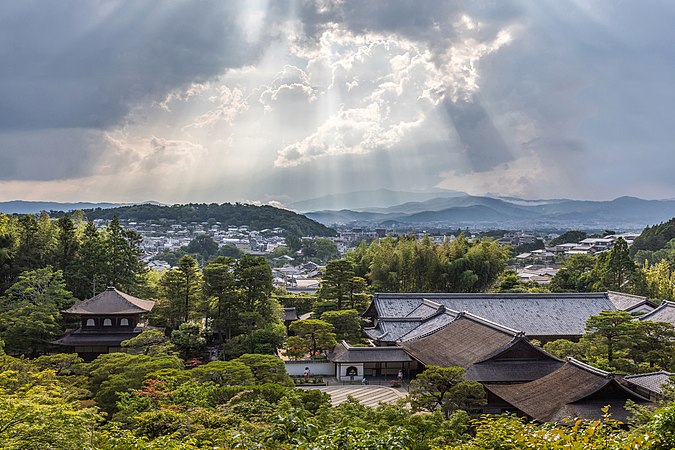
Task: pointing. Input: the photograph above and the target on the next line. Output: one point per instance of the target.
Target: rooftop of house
(111, 302)
(627, 302)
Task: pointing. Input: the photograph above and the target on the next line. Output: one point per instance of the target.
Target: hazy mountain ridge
(468, 209)
(368, 201)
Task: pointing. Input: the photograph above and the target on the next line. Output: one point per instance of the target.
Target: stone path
(367, 395)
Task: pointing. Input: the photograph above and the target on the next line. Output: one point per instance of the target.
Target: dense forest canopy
(151, 397)
(235, 214)
(410, 265)
(655, 237)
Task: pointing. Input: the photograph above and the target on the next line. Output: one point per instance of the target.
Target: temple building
(575, 390)
(106, 320)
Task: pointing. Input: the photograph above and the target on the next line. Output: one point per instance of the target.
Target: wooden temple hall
(106, 320)
(489, 336)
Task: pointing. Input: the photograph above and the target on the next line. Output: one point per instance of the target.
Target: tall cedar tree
(224, 300)
(123, 248)
(182, 288)
(616, 271)
(67, 245)
(89, 271)
(253, 277)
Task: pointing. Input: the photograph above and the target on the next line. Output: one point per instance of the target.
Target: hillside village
(167, 235)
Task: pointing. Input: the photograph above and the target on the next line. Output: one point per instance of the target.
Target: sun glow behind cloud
(304, 101)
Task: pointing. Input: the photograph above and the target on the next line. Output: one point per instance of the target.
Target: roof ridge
(492, 324)
(431, 295)
(664, 304)
(431, 303)
(589, 368)
(659, 372)
(513, 342)
(450, 312)
(627, 295)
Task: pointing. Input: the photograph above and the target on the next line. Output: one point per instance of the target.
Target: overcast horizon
(210, 101)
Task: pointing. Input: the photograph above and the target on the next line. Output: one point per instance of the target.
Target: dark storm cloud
(432, 21)
(48, 155)
(81, 63)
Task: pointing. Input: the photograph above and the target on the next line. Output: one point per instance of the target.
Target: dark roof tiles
(345, 353)
(535, 314)
(111, 302)
(627, 302)
(574, 390)
(652, 382)
(664, 313)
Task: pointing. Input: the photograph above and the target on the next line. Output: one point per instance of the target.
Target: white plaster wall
(297, 368)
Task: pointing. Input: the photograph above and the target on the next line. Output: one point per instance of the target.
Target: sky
(279, 101)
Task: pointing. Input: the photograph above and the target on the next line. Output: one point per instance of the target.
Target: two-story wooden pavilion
(106, 320)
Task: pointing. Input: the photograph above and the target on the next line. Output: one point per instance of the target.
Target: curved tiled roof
(535, 314)
(652, 382)
(664, 313)
(574, 390)
(462, 342)
(628, 302)
(111, 302)
(345, 353)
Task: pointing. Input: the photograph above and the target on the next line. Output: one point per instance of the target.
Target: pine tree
(336, 284)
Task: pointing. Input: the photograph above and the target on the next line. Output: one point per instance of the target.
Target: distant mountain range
(458, 209)
(391, 209)
(356, 201)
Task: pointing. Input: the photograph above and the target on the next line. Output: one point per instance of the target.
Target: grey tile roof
(535, 314)
(652, 382)
(664, 313)
(111, 302)
(426, 309)
(290, 314)
(429, 326)
(626, 302)
(345, 353)
(392, 330)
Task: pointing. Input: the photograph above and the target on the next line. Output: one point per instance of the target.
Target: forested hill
(655, 237)
(237, 214)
